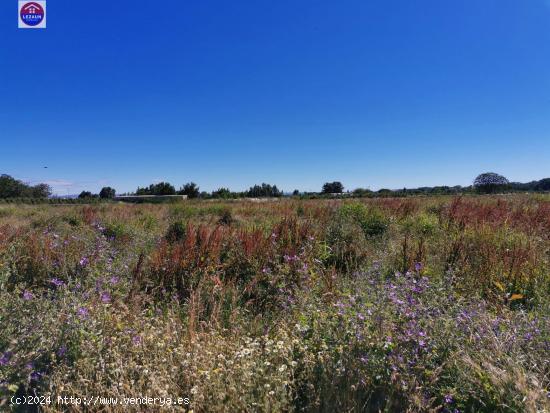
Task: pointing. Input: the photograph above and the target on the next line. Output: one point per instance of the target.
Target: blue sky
(374, 93)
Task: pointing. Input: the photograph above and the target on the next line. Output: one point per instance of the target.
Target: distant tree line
(14, 188)
(106, 193)
(485, 183)
(264, 190)
(192, 190)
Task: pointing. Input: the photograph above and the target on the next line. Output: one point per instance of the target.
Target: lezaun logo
(32, 14)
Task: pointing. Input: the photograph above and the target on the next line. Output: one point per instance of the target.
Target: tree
(361, 192)
(265, 190)
(333, 188)
(162, 188)
(384, 192)
(85, 195)
(14, 188)
(221, 193)
(490, 182)
(543, 185)
(11, 187)
(41, 191)
(107, 193)
(190, 189)
(295, 192)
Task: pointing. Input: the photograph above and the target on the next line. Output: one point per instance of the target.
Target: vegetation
(162, 188)
(490, 182)
(86, 195)
(223, 193)
(433, 304)
(264, 190)
(190, 189)
(107, 192)
(486, 183)
(333, 188)
(13, 188)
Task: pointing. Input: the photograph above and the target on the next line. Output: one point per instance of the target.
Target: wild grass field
(436, 304)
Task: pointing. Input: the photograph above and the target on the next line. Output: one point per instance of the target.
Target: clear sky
(374, 93)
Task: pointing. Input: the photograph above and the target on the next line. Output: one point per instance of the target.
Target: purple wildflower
(27, 295)
(290, 258)
(5, 359)
(136, 340)
(61, 351)
(105, 297)
(114, 280)
(83, 312)
(35, 375)
(57, 282)
(84, 261)
(418, 266)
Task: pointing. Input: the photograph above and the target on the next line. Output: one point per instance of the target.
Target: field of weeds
(421, 304)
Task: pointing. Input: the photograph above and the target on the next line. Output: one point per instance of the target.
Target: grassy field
(420, 304)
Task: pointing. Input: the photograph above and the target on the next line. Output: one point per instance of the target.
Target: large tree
(107, 192)
(41, 191)
(543, 185)
(221, 193)
(265, 190)
(162, 188)
(333, 188)
(490, 182)
(190, 189)
(86, 195)
(14, 188)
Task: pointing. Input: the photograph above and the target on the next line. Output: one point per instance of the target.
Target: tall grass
(428, 304)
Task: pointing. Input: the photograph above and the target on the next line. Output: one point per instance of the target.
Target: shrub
(176, 231)
(372, 221)
(226, 218)
(346, 244)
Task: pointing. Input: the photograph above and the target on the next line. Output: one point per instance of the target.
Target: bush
(226, 218)
(117, 231)
(176, 231)
(346, 244)
(372, 221)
